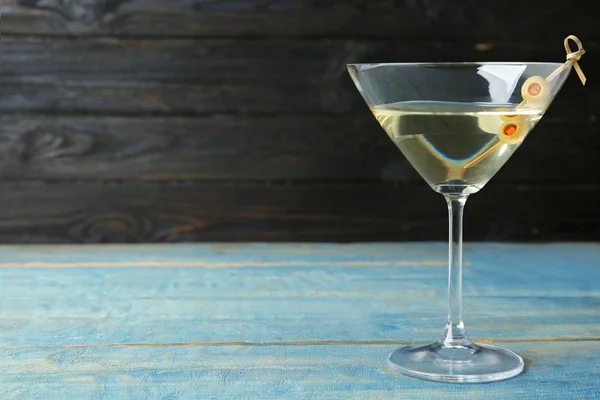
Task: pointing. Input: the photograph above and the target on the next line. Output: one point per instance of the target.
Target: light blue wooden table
(293, 321)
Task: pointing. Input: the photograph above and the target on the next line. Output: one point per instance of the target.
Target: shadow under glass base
(463, 364)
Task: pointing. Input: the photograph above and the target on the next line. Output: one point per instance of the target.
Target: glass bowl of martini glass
(457, 124)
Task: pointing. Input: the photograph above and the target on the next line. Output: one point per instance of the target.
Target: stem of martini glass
(454, 333)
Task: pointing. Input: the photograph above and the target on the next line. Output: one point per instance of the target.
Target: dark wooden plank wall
(173, 120)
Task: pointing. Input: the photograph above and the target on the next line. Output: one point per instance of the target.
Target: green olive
(535, 90)
(512, 132)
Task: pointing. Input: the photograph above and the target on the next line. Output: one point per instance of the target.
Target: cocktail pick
(573, 58)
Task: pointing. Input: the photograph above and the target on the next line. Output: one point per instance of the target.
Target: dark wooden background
(233, 120)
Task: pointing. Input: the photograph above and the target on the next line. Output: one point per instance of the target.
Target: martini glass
(457, 124)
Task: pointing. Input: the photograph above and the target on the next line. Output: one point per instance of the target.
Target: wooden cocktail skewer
(572, 60)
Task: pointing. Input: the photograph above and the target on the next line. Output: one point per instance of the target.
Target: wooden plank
(257, 254)
(222, 147)
(364, 254)
(294, 326)
(186, 77)
(118, 98)
(152, 212)
(302, 18)
(554, 371)
(298, 147)
(257, 294)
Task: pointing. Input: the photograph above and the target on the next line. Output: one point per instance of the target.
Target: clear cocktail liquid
(454, 146)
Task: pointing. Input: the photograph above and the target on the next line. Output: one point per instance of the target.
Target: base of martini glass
(458, 361)
(455, 358)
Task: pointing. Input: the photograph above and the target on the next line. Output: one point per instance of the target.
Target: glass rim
(453, 63)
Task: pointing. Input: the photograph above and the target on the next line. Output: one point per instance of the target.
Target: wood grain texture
(257, 294)
(554, 371)
(301, 18)
(153, 212)
(210, 148)
(246, 106)
(295, 327)
(187, 77)
(299, 147)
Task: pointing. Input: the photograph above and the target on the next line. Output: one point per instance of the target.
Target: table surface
(294, 321)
